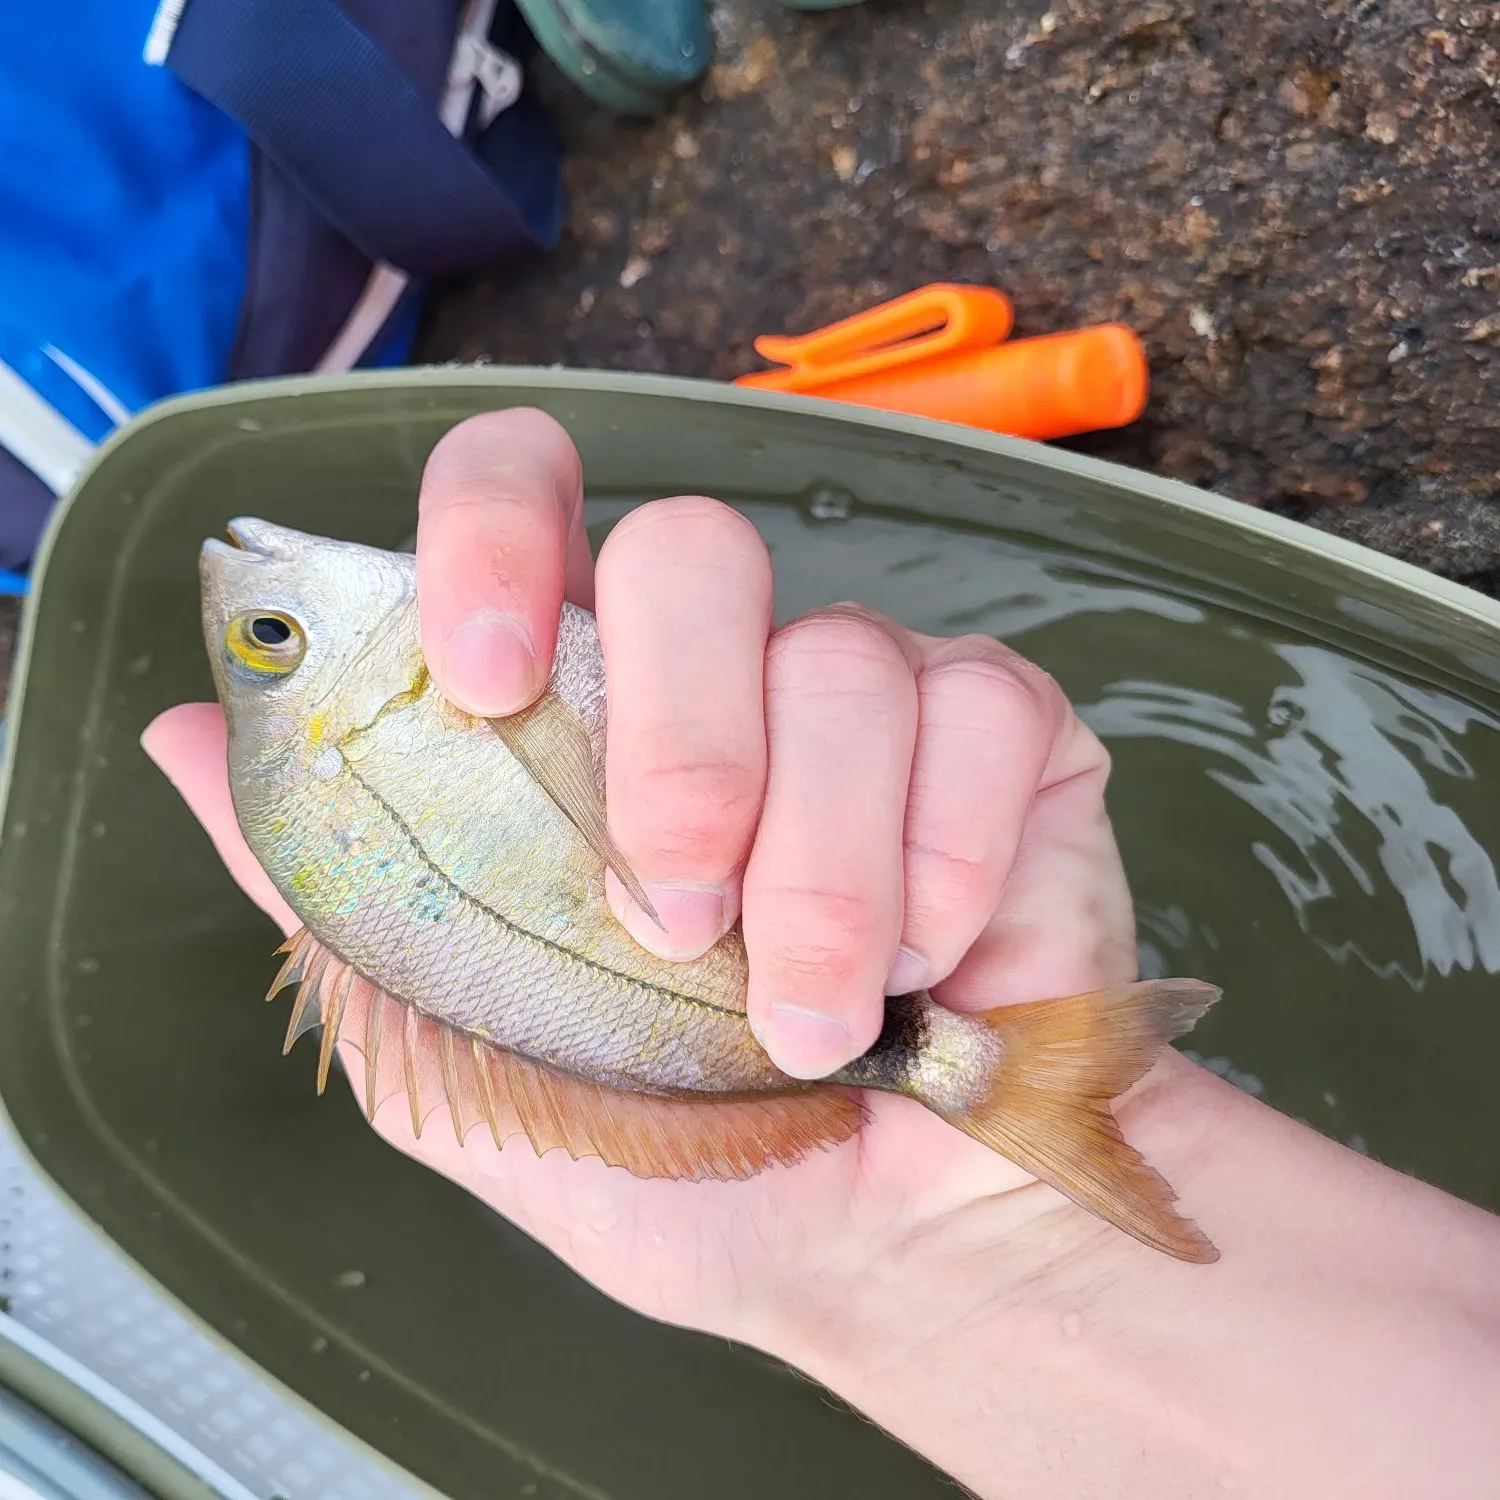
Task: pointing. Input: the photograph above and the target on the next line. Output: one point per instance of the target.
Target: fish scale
(496, 973)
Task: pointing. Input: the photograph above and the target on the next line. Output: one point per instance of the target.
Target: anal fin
(651, 1136)
(648, 1135)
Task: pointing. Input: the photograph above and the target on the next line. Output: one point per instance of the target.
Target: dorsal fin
(476, 1081)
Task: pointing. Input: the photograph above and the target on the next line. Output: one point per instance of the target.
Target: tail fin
(1048, 1105)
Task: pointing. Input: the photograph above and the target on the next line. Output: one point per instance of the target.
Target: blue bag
(199, 191)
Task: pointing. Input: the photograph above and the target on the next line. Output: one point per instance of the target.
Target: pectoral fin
(552, 743)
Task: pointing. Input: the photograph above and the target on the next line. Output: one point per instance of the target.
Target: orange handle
(1058, 385)
(931, 323)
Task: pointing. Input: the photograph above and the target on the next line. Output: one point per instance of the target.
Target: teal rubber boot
(631, 56)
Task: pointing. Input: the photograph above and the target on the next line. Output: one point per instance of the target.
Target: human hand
(884, 810)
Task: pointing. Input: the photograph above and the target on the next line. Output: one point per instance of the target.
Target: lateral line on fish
(473, 902)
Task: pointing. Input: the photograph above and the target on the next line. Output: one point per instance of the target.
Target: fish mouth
(214, 550)
(250, 539)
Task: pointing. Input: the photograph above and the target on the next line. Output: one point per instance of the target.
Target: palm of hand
(705, 1254)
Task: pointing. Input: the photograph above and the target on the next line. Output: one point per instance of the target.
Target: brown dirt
(1293, 204)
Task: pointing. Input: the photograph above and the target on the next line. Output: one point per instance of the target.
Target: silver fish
(449, 873)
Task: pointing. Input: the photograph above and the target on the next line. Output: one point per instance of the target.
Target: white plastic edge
(114, 1400)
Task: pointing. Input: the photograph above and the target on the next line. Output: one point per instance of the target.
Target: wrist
(1024, 1347)
(934, 1333)
(982, 1244)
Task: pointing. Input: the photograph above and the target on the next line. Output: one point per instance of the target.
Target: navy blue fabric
(350, 129)
(417, 35)
(302, 279)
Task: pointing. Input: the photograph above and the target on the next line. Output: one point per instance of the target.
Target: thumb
(189, 745)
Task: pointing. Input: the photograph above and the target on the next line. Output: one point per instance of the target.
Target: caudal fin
(1048, 1108)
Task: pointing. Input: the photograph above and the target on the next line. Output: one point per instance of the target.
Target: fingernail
(806, 1043)
(491, 664)
(695, 917)
(908, 973)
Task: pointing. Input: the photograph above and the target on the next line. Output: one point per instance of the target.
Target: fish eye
(270, 631)
(267, 642)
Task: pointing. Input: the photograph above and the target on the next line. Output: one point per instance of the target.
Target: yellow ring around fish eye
(266, 641)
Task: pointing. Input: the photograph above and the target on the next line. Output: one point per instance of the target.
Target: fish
(449, 874)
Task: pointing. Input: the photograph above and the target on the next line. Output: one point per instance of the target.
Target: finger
(189, 745)
(499, 539)
(1065, 923)
(684, 590)
(987, 728)
(823, 887)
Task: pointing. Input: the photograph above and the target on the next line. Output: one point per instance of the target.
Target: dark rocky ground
(1294, 204)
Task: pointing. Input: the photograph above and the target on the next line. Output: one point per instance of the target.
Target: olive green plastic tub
(141, 1071)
